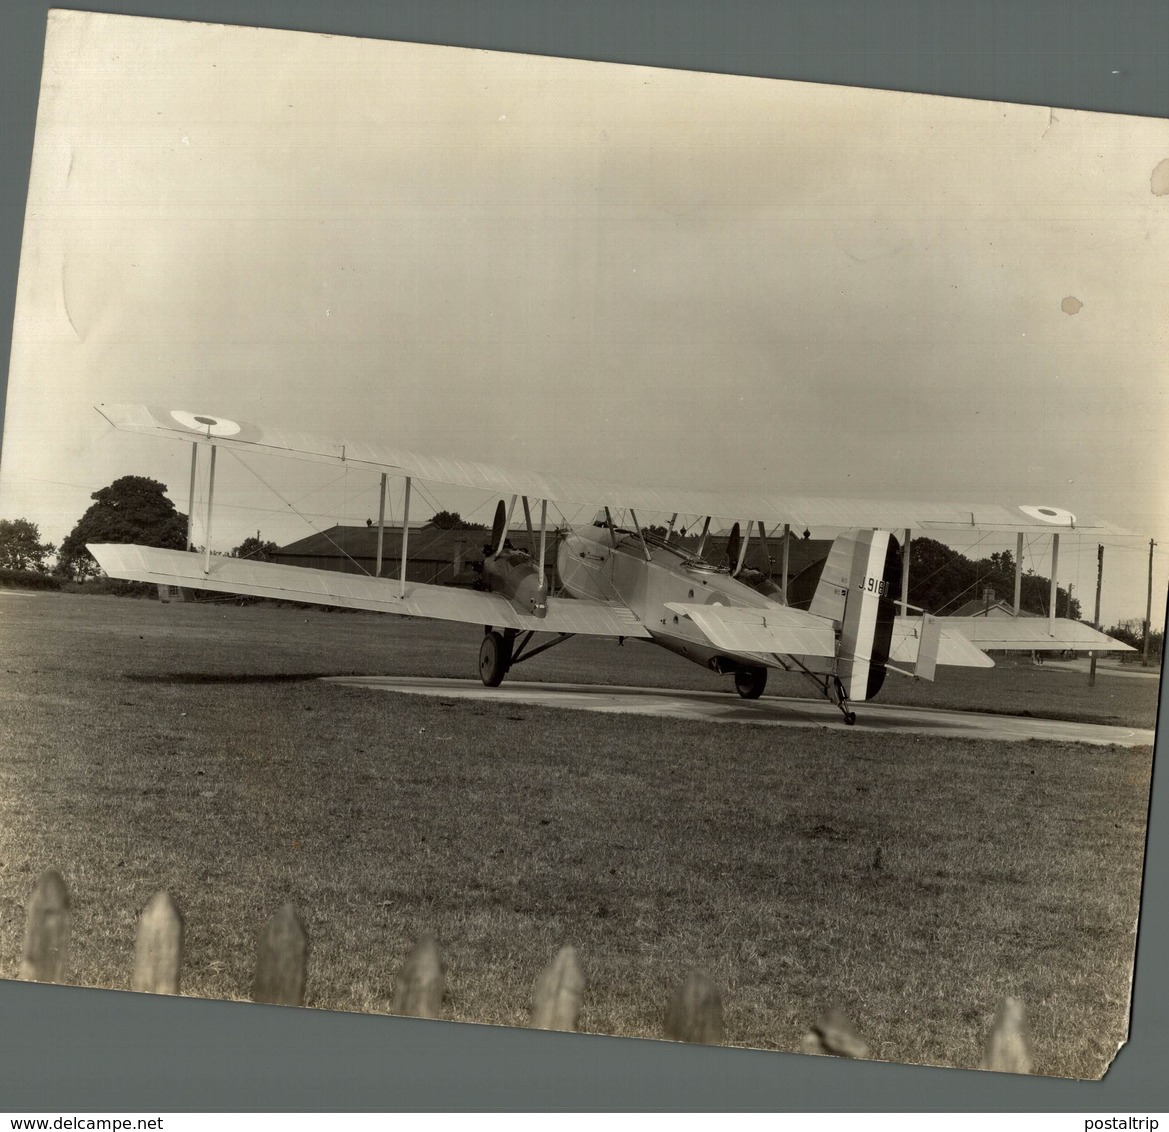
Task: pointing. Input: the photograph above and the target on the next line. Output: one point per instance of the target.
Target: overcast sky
(647, 275)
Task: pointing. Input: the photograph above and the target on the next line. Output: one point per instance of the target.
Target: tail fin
(856, 589)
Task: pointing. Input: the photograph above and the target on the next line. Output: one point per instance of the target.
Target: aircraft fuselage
(597, 563)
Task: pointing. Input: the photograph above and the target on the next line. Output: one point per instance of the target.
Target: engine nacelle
(515, 575)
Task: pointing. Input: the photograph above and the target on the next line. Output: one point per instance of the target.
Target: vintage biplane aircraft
(625, 582)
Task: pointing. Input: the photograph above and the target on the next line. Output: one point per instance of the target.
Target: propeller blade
(498, 525)
(733, 545)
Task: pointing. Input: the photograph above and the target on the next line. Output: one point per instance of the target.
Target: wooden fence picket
(282, 960)
(695, 1011)
(833, 1033)
(158, 947)
(558, 993)
(46, 931)
(421, 983)
(1008, 1045)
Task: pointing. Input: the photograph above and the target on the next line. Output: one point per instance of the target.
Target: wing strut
(1054, 568)
(381, 526)
(702, 540)
(191, 494)
(742, 551)
(1019, 574)
(787, 546)
(542, 592)
(905, 573)
(528, 522)
(405, 540)
(612, 529)
(640, 535)
(210, 499)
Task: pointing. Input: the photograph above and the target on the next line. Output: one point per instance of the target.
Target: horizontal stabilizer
(357, 591)
(952, 648)
(771, 629)
(1031, 633)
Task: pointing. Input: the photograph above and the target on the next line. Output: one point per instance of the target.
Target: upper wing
(357, 591)
(809, 511)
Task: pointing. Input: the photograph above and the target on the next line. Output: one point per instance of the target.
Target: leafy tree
(453, 521)
(942, 579)
(132, 509)
(255, 548)
(21, 547)
(1132, 633)
(938, 575)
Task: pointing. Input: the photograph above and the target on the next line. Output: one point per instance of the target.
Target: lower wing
(358, 591)
(1027, 633)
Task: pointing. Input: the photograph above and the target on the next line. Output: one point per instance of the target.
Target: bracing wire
(301, 515)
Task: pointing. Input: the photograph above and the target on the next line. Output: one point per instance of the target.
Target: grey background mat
(65, 1049)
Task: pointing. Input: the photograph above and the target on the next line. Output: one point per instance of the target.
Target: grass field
(912, 882)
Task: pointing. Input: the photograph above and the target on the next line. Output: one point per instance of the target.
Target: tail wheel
(494, 659)
(750, 682)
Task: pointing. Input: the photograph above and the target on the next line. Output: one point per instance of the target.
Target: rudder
(855, 589)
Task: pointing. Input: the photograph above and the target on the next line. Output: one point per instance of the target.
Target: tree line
(942, 579)
(131, 509)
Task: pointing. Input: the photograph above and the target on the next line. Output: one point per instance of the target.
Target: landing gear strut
(750, 682)
(830, 684)
(500, 651)
(839, 698)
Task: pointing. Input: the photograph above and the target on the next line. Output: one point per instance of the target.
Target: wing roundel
(1056, 516)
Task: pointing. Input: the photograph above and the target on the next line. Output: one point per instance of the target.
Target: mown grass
(910, 881)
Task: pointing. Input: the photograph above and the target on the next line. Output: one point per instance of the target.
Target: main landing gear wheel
(750, 682)
(494, 659)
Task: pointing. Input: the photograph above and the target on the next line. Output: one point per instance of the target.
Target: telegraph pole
(1096, 622)
(1148, 607)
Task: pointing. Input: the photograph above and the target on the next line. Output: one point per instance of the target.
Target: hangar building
(449, 556)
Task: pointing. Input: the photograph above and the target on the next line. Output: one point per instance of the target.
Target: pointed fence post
(834, 1034)
(46, 932)
(281, 960)
(1008, 1045)
(158, 948)
(557, 995)
(421, 983)
(695, 1012)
